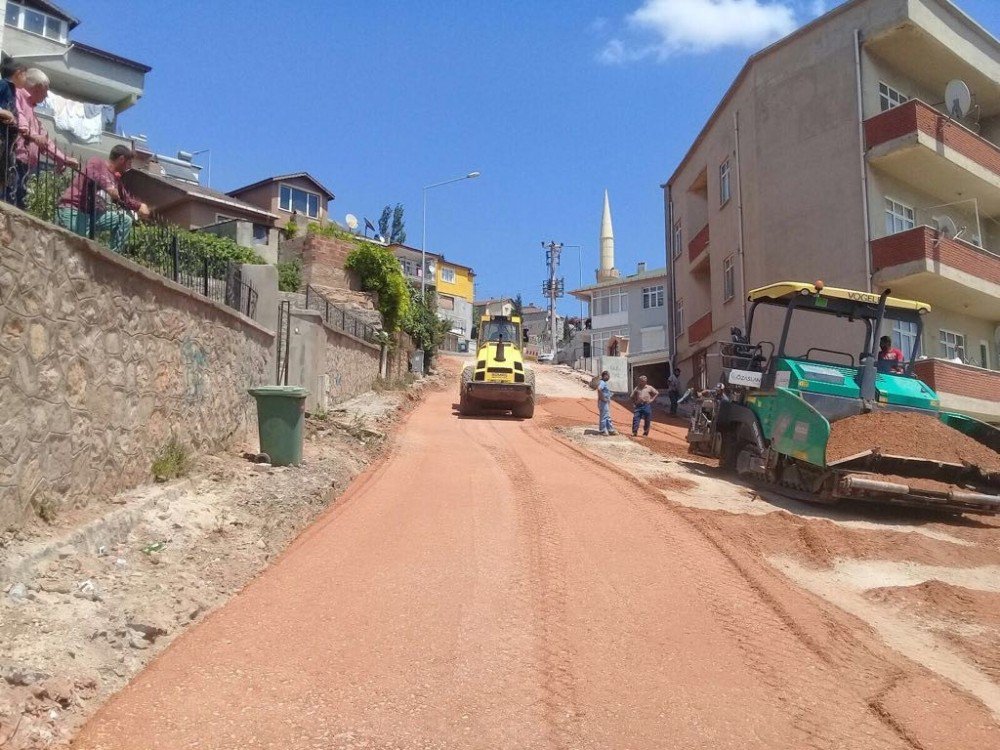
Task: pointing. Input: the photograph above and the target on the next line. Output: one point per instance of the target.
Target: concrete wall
(101, 362)
(333, 366)
(241, 232)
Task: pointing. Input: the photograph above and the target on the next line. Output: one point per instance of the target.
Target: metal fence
(64, 195)
(338, 317)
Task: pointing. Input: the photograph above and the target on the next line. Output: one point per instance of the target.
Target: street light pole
(423, 227)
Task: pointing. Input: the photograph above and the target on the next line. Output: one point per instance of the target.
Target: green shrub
(424, 326)
(380, 272)
(290, 276)
(172, 461)
(329, 230)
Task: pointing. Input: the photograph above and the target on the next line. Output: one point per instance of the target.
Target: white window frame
(677, 239)
(652, 296)
(62, 36)
(599, 339)
(729, 278)
(617, 298)
(679, 318)
(445, 273)
(950, 343)
(904, 336)
(890, 98)
(291, 200)
(725, 182)
(899, 217)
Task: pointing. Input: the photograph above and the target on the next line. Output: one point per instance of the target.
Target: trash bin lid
(280, 391)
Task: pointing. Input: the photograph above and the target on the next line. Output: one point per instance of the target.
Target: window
(260, 234)
(725, 189)
(898, 218)
(35, 22)
(609, 301)
(951, 345)
(676, 239)
(729, 278)
(679, 318)
(904, 336)
(448, 275)
(302, 201)
(445, 302)
(599, 340)
(652, 296)
(888, 97)
(653, 339)
(984, 355)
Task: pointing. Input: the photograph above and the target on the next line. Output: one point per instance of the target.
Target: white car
(546, 357)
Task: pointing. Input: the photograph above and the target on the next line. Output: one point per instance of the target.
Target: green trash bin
(281, 413)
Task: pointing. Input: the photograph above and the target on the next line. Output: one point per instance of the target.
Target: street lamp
(423, 227)
(208, 180)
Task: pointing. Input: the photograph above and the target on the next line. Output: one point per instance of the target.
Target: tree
(424, 326)
(398, 235)
(380, 273)
(383, 222)
(518, 305)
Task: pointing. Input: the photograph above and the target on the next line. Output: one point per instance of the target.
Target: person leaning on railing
(34, 140)
(98, 193)
(13, 79)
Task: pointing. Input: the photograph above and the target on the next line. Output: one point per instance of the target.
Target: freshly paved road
(488, 586)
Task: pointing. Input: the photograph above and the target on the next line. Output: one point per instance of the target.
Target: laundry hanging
(83, 121)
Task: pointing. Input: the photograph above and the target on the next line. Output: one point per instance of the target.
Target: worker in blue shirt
(605, 427)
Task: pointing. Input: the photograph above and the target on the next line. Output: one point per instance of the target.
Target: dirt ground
(91, 599)
(494, 582)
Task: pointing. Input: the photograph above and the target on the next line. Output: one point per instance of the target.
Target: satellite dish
(958, 98)
(352, 221)
(945, 226)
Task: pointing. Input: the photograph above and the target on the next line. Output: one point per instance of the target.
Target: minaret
(607, 270)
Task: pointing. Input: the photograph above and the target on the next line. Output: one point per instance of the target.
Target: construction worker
(605, 427)
(643, 396)
(890, 359)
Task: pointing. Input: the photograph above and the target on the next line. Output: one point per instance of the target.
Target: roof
(532, 310)
(400, 246)
(492, 300)
(653, 273)
(786, 290)
(200, 192)
(801, 31)
(105, 55)
(280, 177)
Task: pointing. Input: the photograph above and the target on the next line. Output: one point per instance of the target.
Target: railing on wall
(339, 317)
(63, 195)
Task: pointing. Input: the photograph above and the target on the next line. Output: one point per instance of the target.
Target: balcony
(921, 265)
(80, 71)
(697, 249)
(963, 388)
(920, 146)
(700, 329)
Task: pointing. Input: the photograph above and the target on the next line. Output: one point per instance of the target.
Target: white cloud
(661, 28)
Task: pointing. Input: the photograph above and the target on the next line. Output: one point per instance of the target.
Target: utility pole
(553, 287)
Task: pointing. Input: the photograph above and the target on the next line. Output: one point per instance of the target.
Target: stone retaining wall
(101, 363)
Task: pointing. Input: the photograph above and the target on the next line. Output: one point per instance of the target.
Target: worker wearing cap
(890, 359)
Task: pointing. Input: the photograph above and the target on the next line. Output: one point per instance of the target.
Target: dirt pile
(907, 434)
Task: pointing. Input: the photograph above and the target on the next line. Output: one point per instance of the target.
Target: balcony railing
(915, 117)
(698, 243)
(922, 244)
(952, 378)
(62, 195)
(700, 329)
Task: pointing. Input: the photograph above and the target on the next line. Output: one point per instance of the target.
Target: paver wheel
(526, 409)
(466, 404)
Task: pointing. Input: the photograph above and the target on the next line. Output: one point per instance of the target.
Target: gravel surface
(490, 585)
(907, 434)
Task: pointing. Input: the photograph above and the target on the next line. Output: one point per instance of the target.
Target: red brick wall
(918, 243)
(323, 260)
(960, 380)
(915, 115)
(700, 328)
(698, 243)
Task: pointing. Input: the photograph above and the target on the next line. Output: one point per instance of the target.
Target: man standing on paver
(674, 390)
(605, 427)
(643, 396)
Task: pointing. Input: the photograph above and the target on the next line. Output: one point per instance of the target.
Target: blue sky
(552, 100)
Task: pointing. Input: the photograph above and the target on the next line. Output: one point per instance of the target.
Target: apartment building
(834, 156)
(628, 318)
(90, 87)
(453, 283)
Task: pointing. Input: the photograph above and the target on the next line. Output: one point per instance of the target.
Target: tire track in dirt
(545, 588)
(732, 587)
